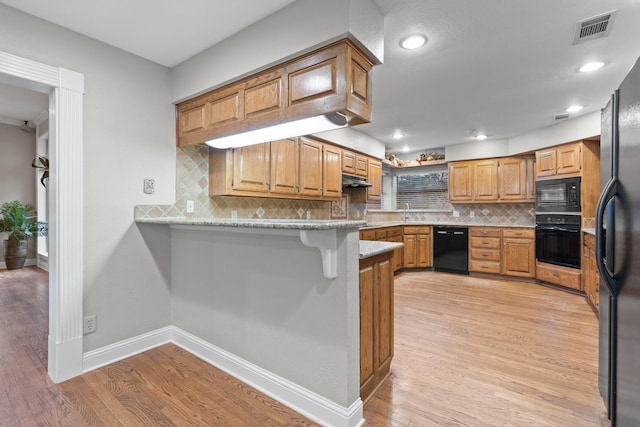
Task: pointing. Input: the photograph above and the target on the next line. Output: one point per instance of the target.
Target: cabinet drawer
(485, 254)
(568, 277)
(417, 229)
(484, 232)
(485, 242)
(381, 234)
(368, 235)
(528, 233)
(394, 231)
(484, 266)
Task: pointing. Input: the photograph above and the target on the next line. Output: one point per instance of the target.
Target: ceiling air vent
(594, 28)
(563, 116)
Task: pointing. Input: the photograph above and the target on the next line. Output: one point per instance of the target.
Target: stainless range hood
(349, 181)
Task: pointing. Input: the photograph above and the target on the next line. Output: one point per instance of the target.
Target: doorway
(65, 89)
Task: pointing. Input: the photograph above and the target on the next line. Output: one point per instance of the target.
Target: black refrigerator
(618, 254)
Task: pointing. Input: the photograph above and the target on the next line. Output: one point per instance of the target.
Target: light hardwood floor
(469, 352)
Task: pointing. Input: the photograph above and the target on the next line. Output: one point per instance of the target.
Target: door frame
(66, 90)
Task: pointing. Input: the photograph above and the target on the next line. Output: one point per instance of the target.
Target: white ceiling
(503, 67)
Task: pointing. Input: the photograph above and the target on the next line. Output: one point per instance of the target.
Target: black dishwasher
(451, 249)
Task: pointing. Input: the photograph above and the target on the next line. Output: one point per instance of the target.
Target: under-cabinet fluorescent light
(280, 131)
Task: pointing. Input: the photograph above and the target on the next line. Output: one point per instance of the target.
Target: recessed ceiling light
(573, 108)
(397, 135)
(481, 137)
(413, 41)
(591, 66)
(405, 148)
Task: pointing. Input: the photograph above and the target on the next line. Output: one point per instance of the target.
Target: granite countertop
(591, 231)
(369, 248)
(452, 224)
(282, 224)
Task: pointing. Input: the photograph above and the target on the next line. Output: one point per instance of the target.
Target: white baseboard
(300, 399)
(121, 350)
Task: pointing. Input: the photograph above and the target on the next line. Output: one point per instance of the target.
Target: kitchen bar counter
(369, 248)
(280, 224)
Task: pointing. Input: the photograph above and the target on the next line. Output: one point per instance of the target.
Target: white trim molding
(300, 399)
(65, 89)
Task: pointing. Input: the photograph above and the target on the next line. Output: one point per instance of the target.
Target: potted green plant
(20, 221)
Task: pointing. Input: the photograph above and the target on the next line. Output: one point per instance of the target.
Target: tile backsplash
(483, 214)
(192, 183)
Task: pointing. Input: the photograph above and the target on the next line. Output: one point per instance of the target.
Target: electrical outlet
(90, 324)
(456, 214)
(234, 214)
(308, 214)
(472, 214)
(149, 186)
(190, 207)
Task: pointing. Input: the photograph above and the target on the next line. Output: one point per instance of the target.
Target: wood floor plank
(469, 351)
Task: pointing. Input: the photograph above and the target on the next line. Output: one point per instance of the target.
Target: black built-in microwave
(558, 195)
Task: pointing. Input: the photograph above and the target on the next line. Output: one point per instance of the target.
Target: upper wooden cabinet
(503, 180)
(460, 178)
(485, 180)
(565, 160)
(299, 168)
(374, 177)
(333, 78)
(355, 164)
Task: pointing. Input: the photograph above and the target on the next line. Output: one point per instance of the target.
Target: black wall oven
(558, 239)
(558, 195)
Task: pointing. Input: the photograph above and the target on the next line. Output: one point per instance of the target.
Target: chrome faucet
(406, 208)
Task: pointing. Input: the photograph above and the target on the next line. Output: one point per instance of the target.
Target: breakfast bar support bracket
(325, 241)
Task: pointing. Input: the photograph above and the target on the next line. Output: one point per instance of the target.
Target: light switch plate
(149, 186)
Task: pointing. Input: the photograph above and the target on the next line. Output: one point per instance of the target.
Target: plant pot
(15, 254)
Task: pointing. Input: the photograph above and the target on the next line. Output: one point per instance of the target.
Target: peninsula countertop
(281, 224)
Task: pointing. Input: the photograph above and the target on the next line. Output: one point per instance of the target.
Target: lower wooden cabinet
(563, 276)
(376, 322)
(485, 250)
(386, 234)
(418, 249)
(518, 252)
(590, 276)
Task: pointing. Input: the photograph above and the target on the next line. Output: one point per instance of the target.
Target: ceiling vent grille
(594, 28)
(560, 117)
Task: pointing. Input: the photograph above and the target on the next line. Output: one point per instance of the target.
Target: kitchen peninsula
(257, 299)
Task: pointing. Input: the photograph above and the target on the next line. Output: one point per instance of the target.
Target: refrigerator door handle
(608, 194)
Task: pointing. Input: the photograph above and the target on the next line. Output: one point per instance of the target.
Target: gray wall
(128, 136)
(264, 298)
(17, 177)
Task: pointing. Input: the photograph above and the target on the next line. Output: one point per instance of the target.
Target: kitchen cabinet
(590, 276)
(485, 250)
(311, 167)
(562, 160)
(332, 176)
(376, 322)
(518, 252)
(485, 180)
(558, 275)
(284, 166)
(296, 168)
(333, 78)
(374, 177)
(251, 166)
(354, 164)
(513, 179)
(501, 180)
(460, 175)
(418, 247)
